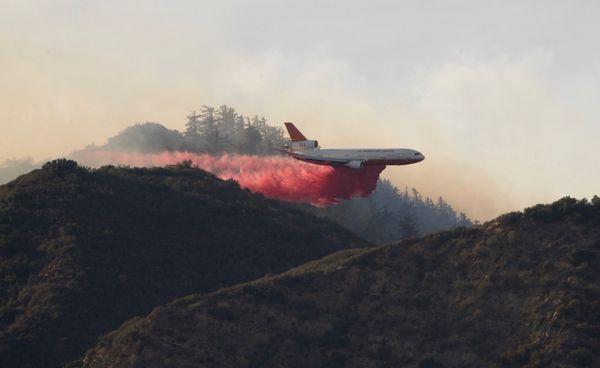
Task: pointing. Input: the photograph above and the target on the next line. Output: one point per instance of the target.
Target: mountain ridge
(83, 250)
(521, 290)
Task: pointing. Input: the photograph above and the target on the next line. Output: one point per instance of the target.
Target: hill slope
(522, 290)
(81, 251)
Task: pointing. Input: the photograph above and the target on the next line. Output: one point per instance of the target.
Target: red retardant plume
(274, 176)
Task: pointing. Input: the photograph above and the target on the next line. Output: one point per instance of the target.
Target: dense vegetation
(387, 215)
(83, 250)
(522, 290)
(212, 131)
(224, 130)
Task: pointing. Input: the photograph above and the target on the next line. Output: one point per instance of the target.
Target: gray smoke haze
(12, 168)
(500, 96)
(143, 137)
(147, 137)
(380, 214)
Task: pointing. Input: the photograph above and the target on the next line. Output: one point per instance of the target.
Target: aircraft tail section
(294, 133)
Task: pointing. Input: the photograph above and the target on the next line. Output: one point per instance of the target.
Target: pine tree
(274, 138)
(252, 140)
(192, 126)
(259, 125)
(207, 124)
(226, 120)
(408, 226)
(239, 133)
(463, 220)
(389, 214)
(377, 229)
(209, 133)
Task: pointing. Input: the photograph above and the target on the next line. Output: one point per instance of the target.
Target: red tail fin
(295, 134)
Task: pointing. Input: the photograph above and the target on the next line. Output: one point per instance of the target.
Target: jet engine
(304, 145)
(355, 164)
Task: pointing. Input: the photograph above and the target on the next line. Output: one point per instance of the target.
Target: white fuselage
(357, 158)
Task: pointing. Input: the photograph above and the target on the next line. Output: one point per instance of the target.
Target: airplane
(307, 150)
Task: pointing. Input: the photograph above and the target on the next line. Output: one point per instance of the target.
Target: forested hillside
(388, 214)
(212, 130)
(225, 130)
(520, 291)
(83, 250)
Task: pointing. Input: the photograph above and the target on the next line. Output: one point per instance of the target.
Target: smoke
(10, 169)
(276, 177)
(147, 137)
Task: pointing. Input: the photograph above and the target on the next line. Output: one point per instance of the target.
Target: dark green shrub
(582, 356)
(430, 363)
(578, 256)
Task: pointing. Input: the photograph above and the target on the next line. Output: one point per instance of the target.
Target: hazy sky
(501, 96)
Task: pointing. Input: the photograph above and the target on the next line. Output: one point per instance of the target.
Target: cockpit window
(417, 154)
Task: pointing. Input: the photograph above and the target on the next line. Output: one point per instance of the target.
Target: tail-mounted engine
(304, 145)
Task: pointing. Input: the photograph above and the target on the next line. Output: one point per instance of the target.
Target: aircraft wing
(314, 159)
(286, 151)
